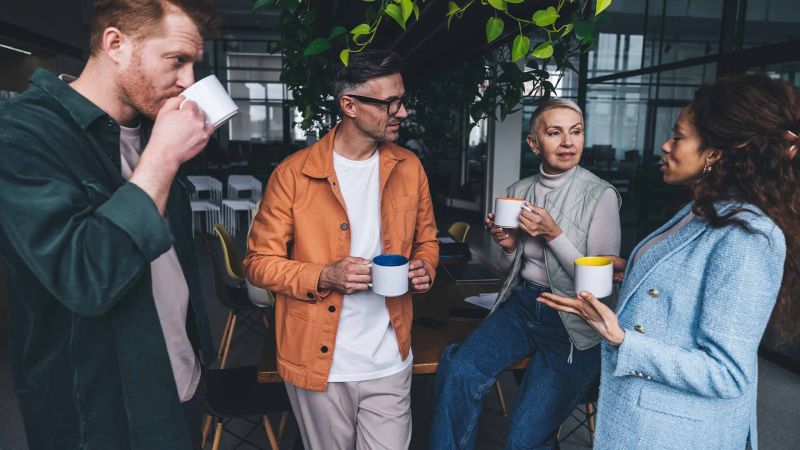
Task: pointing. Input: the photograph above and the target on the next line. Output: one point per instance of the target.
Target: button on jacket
(302, 225)
(90, 363)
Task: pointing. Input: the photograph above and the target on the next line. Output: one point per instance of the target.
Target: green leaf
(395, 13)
(567, 30)
(316, 47)
(416, 11)
(290, 5)
(452, 8)
(532, 64)
(476, 111)
(407, 8)
(514, 1)
(520, 47)
(258, 4)
(344, 56)
(543, 50)
(360, 29)
(583, 30)
(545, 17)
(601, 6)
(494, 28)
(336, 32)
(499, 5)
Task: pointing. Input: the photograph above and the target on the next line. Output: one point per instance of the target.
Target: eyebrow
(559, 127)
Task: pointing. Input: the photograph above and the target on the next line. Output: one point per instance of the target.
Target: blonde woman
(572, 213)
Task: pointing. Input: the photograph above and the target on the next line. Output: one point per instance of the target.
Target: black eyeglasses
(392, 105)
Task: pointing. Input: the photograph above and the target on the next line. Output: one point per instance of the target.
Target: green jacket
(89, 359)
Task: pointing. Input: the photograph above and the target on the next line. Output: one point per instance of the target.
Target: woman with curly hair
(679, 359)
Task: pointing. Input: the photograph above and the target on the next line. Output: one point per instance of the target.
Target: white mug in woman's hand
(506, 211)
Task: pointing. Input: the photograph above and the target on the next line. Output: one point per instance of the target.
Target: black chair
(236, 394)
(585, 413)
(242, 311)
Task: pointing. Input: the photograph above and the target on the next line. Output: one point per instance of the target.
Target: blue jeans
(550, 389)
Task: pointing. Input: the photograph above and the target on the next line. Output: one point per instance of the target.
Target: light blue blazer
(694, 308)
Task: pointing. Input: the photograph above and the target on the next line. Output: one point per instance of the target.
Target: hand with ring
(505, 237)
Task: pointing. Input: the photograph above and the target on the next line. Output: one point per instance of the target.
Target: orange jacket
(302, 225)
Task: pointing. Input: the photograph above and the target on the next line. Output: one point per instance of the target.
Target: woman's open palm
(593, 311)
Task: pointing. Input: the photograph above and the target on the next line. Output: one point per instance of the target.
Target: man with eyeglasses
(344, 350)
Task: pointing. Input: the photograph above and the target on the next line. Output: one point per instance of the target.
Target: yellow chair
(233, 264)
(238, 298)
(459, 231)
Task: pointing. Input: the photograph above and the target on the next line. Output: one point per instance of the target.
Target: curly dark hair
(746, 119)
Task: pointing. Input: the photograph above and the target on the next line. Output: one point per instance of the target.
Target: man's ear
(349, 106)
(116, 44)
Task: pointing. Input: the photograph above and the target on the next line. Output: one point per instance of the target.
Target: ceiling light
(14, 49)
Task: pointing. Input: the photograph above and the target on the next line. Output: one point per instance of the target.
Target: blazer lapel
(638, 271)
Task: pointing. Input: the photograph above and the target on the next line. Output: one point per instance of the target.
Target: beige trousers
(361, 415)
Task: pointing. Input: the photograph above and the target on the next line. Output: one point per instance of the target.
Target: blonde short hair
(547, 105)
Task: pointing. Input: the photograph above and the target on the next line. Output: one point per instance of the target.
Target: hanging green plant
(553, 35)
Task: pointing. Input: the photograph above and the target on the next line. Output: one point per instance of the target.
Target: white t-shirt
(366, 345)
(170, 291)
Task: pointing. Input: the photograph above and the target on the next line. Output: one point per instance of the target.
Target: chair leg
(217, 436)
(591, 412)
(265, 321)
(282, 425)
(206, 429)
(228, 343)
(270, 434)
(224, 337)
(501, 398)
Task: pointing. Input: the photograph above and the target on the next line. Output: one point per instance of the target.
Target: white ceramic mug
(389, 275)
(212, 98)
(506, 211)
(594, 274)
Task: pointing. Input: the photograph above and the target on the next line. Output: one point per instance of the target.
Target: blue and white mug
(389, 275)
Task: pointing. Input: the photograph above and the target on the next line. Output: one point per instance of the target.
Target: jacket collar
(83, 111)
(319, 163)
(636, 272)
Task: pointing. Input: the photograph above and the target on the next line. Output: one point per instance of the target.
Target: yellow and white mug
(594, 274)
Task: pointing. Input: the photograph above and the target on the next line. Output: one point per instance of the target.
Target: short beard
(380, 136)
(138, 90)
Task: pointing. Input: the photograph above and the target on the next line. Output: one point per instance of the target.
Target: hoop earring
(707, 169)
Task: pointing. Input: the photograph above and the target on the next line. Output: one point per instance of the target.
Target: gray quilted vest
(572, 206)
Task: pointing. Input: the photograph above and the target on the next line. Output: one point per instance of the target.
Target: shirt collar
(83, 111)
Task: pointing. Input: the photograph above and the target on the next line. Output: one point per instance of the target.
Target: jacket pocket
(296, 333)
(405, 211)
(677, 404)
(666, 421)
